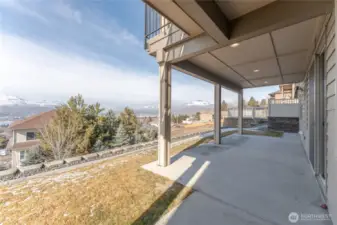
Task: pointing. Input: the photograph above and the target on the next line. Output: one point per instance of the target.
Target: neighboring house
(206, 116)
(287, 91)
(284, 109)
(25, 133)
(188, 121)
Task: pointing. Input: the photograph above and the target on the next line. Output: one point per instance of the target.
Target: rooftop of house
(273, 93)
(25, 145)
(33, 122)
(285, 88)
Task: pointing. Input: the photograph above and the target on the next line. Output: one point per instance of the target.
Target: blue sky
(52, 49)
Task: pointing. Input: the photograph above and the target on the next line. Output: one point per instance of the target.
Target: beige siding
(15, 159)
(328, 44)
(331, 84)
(21, 135)
(304, 121)
(331, 119)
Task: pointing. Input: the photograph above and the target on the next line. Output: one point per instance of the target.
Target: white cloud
(34, 72)
(23, 8)
(65, 11)
(115, 33)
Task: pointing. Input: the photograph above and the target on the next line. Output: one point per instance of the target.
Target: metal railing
(248, 112)
(283, 101)
(154, 24)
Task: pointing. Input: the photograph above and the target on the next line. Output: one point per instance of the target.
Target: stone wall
(286, 124)
(25, 171)
(247, 122)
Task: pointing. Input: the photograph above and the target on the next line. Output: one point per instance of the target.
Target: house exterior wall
(331, 120)
(309, 126)
(206, 117)
(15, 159)
(21, 135)
(278, 96)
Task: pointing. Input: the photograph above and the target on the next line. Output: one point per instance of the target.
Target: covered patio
(237, 45)
(244, 180)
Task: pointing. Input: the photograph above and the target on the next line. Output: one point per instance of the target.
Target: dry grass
(269, 133)
(116, 191)
(180, 131)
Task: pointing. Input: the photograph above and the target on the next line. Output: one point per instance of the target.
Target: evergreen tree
(99, 146)
(130, 123)
(224, 105)
(139, 135)
(252, 102)
(197, 116)
(111, 123)
(77, 104)
(263, 102)
(121, 136)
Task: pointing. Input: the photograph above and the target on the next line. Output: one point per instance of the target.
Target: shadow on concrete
(245, 180)
(162, 204)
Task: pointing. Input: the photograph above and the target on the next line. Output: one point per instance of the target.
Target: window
(30, 136)
(22, 155)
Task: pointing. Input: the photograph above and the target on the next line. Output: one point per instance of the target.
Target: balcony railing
(155, 24)
(283, 101)
(284, 108)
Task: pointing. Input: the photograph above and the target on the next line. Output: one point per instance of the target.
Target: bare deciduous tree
(60, 136)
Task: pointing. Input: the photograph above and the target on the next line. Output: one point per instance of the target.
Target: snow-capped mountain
(11, 100)
(13, 107)
(48, 103)
(150, 107)
(7, 100)
(198, 103)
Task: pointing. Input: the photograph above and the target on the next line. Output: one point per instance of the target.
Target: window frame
(22, 155)
(30, 138)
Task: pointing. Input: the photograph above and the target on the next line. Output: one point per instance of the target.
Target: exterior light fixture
(255, 71)
(234, 45)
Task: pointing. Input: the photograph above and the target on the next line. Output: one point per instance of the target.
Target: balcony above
(242, 44)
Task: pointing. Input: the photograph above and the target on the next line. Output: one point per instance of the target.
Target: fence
(248, 112)
(289, 108)
(283, 101)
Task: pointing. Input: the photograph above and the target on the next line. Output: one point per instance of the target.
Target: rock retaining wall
(285, 124)
(25, 171)
(247, 122)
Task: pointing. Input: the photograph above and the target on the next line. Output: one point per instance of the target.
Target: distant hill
(186, 108)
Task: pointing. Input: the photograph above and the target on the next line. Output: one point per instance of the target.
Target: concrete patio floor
(245, 180)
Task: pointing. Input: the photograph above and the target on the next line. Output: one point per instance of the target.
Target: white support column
(164, 138)
(240, 111)
(217, 113)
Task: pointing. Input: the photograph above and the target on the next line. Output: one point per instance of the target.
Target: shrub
(35, 155)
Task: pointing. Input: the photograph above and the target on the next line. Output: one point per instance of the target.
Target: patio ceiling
(234, 8)
(270, 46)
(281, 56)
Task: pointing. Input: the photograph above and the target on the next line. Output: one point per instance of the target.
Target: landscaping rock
(54, 164)
(90, 157)
(129, 149)
(104, 154)
(30, 170)
(73, 160)
(117, 151)
(8, 174)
